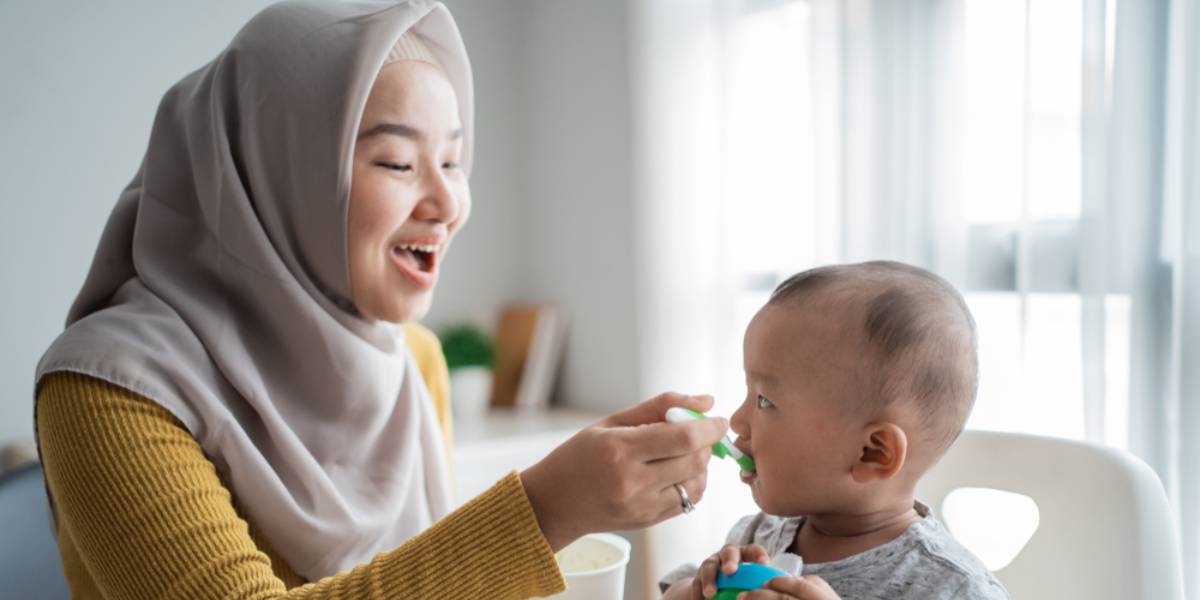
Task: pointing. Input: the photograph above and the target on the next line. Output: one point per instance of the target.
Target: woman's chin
(412, 308)
(404, 307)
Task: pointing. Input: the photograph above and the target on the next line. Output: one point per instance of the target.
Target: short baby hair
(919, 340)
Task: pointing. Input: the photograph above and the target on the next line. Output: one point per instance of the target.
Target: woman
(240, 406)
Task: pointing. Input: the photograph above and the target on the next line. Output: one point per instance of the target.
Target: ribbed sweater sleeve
(143, 513)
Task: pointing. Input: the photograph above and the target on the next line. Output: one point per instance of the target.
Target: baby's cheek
(786, 474)
(775, 497)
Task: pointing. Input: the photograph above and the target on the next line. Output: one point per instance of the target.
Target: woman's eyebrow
(402, 130)
(399, 129)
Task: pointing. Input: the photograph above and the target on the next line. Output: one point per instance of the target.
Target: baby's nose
(739, 424)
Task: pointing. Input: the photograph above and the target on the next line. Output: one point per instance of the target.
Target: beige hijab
(221, 290)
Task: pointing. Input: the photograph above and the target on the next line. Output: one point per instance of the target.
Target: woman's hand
(793, 588)
(620, 473)
(727, 560)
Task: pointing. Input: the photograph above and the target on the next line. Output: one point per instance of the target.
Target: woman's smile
(401, 220)
(418, 260)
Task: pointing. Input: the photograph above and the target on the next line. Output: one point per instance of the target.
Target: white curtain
(775, 135)
(759, 152)
(1175, 451)
(1141, 198)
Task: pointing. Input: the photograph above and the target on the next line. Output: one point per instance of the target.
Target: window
(1019, 173)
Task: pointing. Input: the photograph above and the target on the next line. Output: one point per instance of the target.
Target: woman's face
(408, 196)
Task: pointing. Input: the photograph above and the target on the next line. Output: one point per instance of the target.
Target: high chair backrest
(1104, 529)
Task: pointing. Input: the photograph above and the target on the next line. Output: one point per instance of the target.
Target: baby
(858, 379)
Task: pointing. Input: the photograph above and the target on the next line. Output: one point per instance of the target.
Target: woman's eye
(400, 167)
(450, 165)
(763, 402)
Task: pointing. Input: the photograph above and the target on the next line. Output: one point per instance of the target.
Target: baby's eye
(763, 402)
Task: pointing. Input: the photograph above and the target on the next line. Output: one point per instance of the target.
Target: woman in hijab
(241, 405)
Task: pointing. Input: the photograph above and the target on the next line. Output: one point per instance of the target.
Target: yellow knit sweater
(143, 513)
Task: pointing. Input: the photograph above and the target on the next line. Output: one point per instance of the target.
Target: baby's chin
(779, 505)
(765, 499)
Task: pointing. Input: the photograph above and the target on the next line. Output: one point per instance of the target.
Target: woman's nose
(438, 202)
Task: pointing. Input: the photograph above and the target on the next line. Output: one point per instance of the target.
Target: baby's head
(858, 378)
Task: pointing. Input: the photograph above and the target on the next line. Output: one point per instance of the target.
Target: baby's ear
(884, 450)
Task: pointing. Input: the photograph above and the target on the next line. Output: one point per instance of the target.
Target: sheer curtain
(1042, 155)
(1175, 452)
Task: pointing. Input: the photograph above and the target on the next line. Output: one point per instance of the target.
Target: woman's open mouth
(417, 262)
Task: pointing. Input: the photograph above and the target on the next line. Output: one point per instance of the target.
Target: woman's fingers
(670, 502)
(667, 440)
(680, 468)
(654, 410)
(621, 473)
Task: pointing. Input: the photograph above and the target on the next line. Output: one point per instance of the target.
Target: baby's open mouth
(739, 453)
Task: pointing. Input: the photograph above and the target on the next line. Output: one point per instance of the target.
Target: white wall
(553, 215)
(552, 184)
(81, 82)
(580, 243)
(483, 269)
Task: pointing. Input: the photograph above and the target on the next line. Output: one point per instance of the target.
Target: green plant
(466, 345)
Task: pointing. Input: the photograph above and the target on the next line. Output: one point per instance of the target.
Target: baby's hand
(682, 590)
(795, 588)
(727, 560)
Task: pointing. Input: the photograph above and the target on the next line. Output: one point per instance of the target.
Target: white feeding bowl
(594, 567)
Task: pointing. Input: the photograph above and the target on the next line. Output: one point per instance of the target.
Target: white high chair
(1104, 531)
